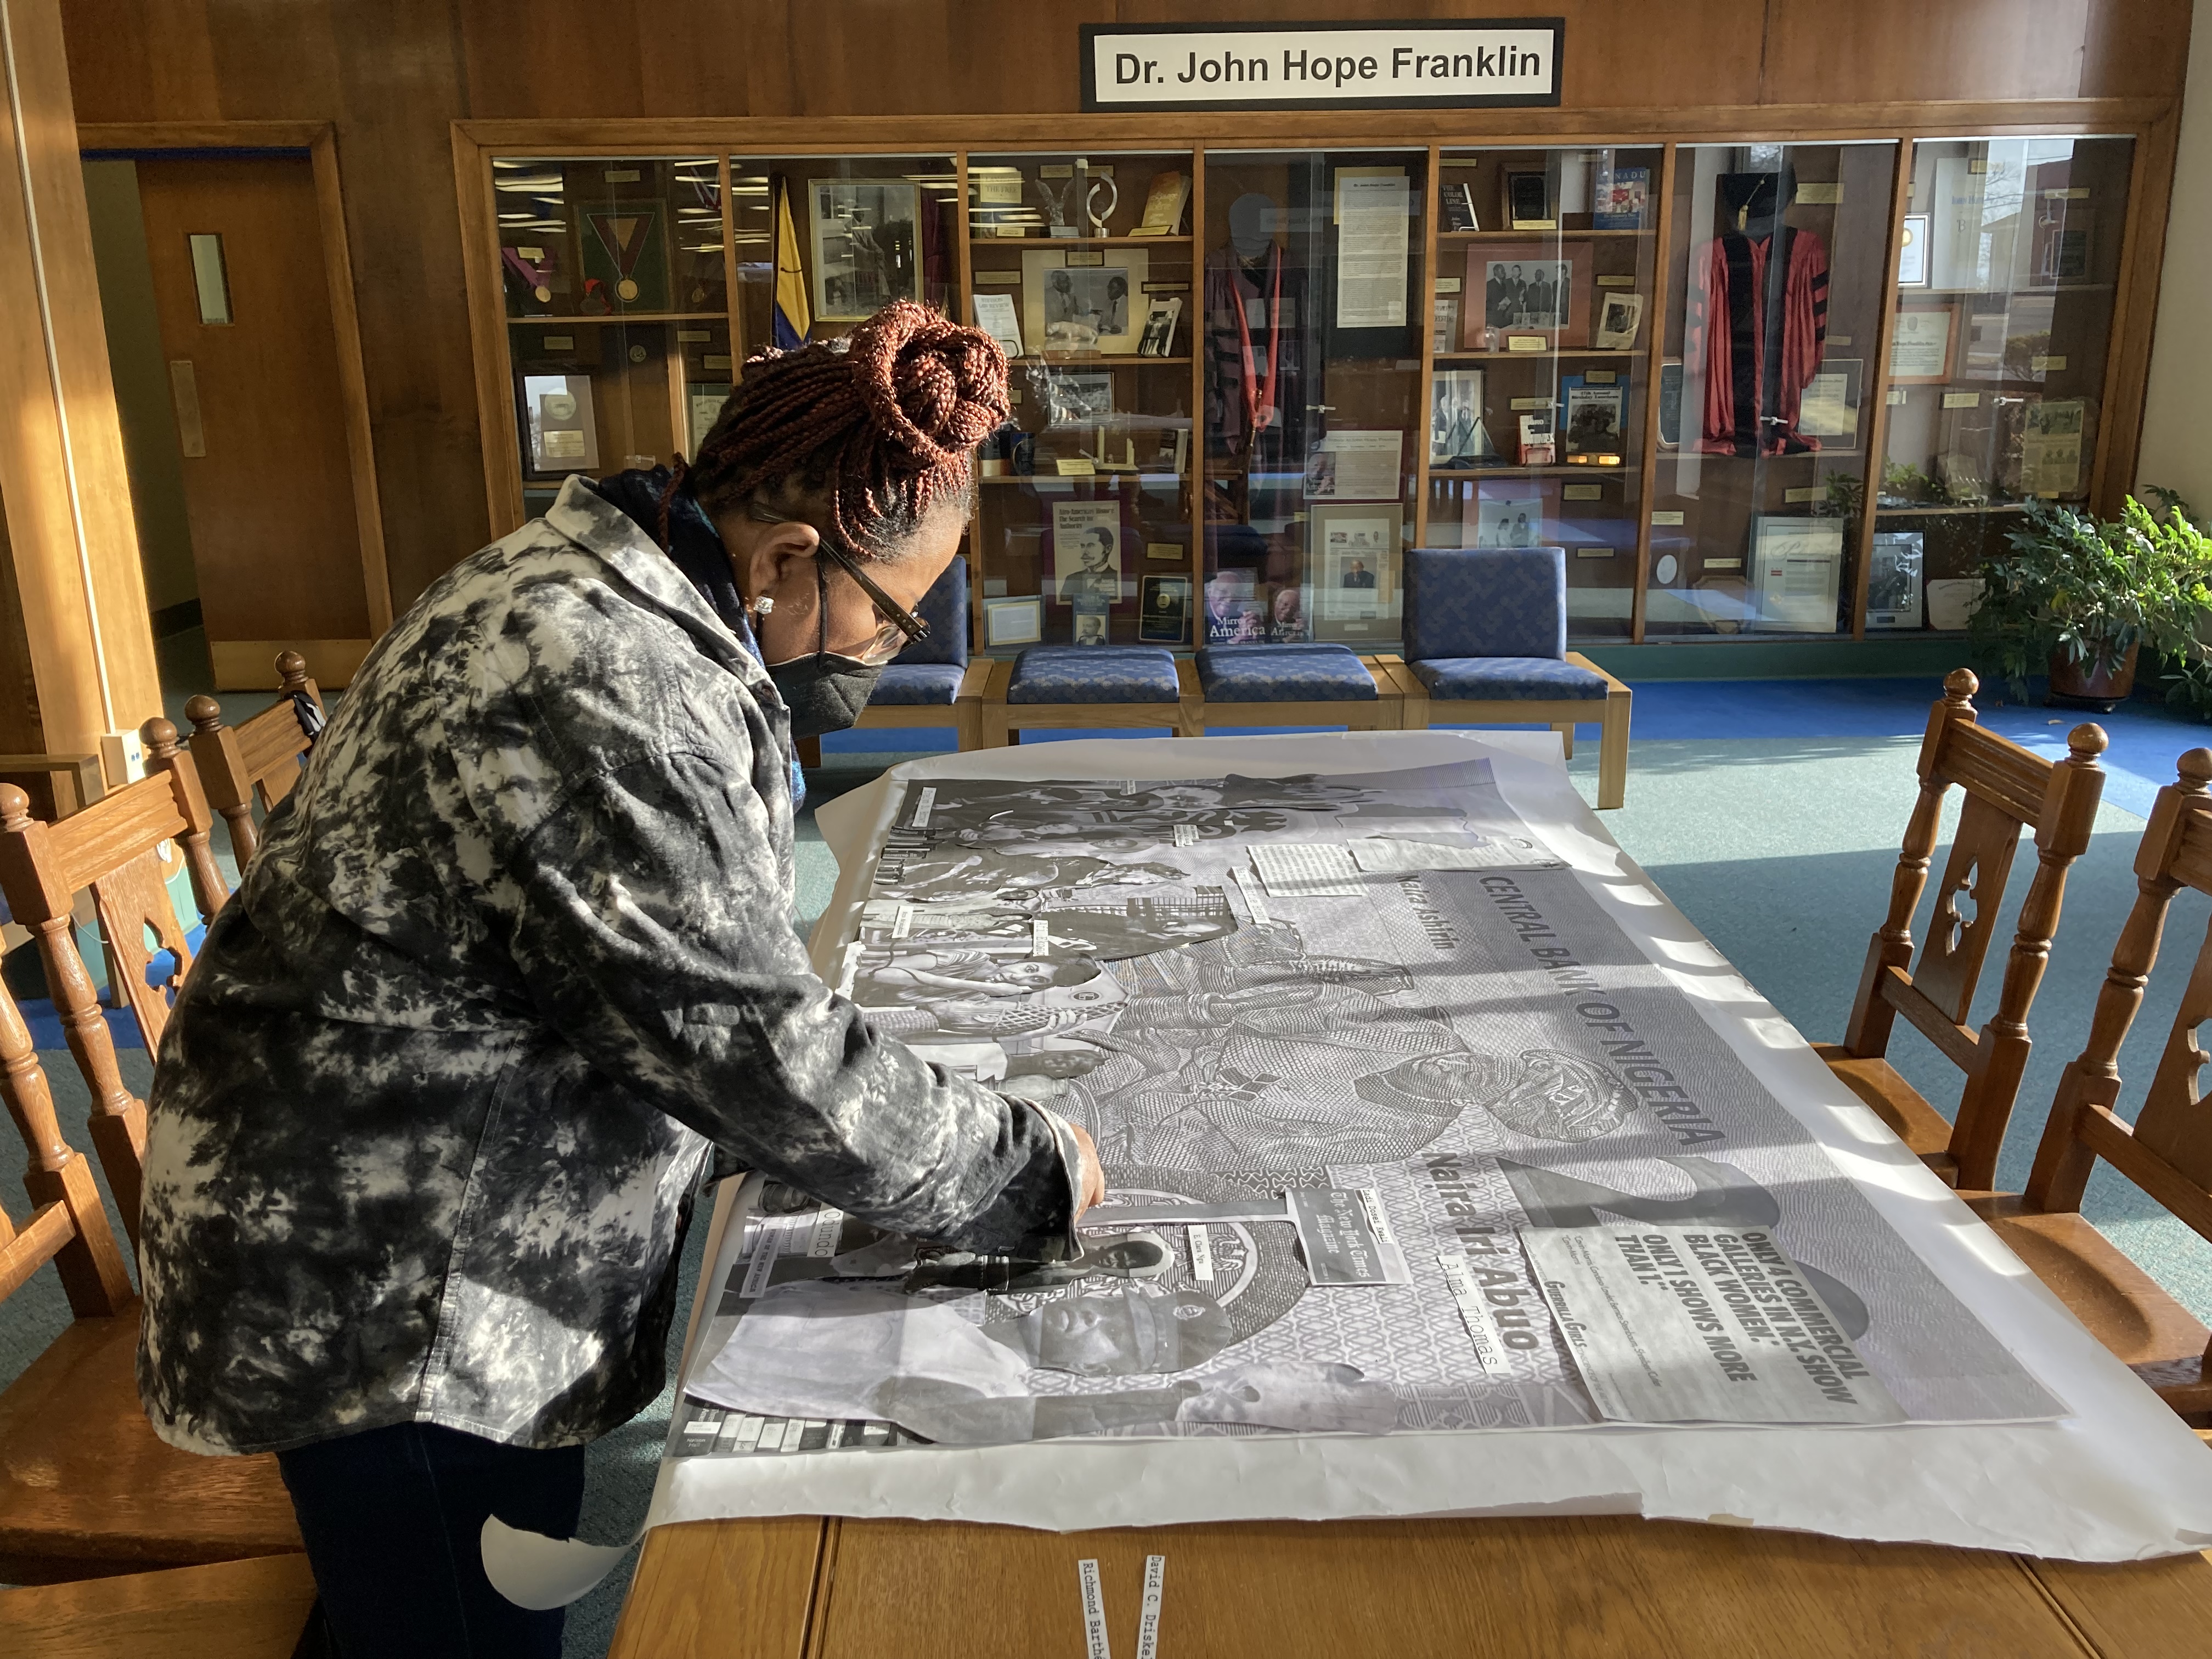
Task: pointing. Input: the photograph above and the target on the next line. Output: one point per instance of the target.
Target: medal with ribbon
(625, 236)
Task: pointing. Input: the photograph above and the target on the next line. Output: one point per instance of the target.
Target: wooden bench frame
(1422, 709)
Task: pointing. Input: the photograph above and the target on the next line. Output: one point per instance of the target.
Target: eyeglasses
(898, 627)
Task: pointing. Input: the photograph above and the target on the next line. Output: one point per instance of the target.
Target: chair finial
(2195, 771)
(203, 712)
(2086, 741)
(15, 808)
(160, 737)
(1960, 686)
(292, 670)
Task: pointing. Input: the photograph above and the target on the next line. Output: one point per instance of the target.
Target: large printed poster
(1401, 1132)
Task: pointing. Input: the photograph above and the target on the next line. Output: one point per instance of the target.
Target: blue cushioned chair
(1297, 685)
(1486, 645)
(1082, 686)
(931, 683)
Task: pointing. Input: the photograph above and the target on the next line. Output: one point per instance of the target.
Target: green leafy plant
(2071, 587)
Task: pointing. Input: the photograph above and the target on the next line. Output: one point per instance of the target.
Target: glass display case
(1080, 266)
(616, 289)
(1778, 271)
(1313, 339)
(2005, 285)
(1539, 341)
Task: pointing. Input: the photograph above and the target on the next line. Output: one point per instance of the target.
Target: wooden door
(244, 301)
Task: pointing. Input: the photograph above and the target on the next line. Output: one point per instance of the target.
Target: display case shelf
(1545, 355)
(1527, 235)
(1565, 469)
(1078, 241)
(533, 320)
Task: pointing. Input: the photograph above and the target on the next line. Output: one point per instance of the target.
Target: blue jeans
(391, 1518)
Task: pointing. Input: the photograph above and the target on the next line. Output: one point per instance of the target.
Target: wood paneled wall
(392, 73)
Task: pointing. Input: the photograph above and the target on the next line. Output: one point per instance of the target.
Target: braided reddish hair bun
(873, 430)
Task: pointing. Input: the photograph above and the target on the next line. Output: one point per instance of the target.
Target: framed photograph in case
(1526, 194)
(1526, 287)
(1920, 349)
(866, 250)
(1069, 307)
(1893, 580)
(1913, 252)
(1013, 621)
(563, 434)
(1593, 419)
(1164, 611)
(1456, 437)
(1352, 560)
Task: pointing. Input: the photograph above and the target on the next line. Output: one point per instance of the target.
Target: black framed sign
(1488, 62)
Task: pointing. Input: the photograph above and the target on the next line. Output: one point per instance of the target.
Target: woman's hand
(1091, 1175)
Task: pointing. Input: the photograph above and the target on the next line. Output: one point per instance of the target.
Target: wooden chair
(2006, 790)
(258, 760)
(86, 1487)
(1486, 645)
(2168, 1152)
(1266, 685)
(1077, 688)
(114, 848)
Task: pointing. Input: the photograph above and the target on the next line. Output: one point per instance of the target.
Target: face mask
(824, 692)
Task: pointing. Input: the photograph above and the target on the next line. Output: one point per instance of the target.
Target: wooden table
(1607, 1587)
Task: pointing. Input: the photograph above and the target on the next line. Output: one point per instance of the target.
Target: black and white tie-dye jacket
(515, 958)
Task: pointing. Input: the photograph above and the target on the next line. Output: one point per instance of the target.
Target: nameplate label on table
(1700, 1325)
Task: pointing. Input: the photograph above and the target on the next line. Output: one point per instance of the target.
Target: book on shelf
(1163, 207)
(1622, 200)
(1458, 201)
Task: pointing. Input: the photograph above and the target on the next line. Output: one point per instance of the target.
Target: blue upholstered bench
(1297, 685)
(1081, 686)
(1486, 645)
(932, 681)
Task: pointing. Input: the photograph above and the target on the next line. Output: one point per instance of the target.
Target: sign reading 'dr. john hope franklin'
(1477, 63)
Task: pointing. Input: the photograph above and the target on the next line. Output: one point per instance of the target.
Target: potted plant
(2080, 599)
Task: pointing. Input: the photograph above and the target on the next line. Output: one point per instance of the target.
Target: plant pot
(2104, 680)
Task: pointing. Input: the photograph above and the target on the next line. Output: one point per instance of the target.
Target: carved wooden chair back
(2007, 790)
(67, 1224)
(255, 762)
(114, 848)
(2168, 1153)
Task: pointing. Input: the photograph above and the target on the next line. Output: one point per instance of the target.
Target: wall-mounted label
(530, 253)
(1896, 394)
(1057, 170)
(1584, 492)
(560, 343)
(1150, 287)
(1664, 518)
(1527, 342)
(1447, 284)
(622, 175)
(1601, 376)
(1616, 281)
(1810, 493)
(1076, 257)
(1458, 64)
(1978, 164)
(1076, 467)
(1962, 400)
(1828, 195)
(2072, 194)
(720, 363)
(1723, 564)
(692, 335)
(2045, 364)
(998, 276)
(1531, 403)
(1593, 552)
(1839, 339)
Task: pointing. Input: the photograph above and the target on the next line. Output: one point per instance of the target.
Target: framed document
(1829, 410)
(1354, 466)
(995, 316)
(1920, 350)
(1164, 615)
(558, 413)
(1351, 563)
(867, 252)
(1913, 252)
(1013, 621)
(1069, 307)
(1797, 572)
(1086, 551)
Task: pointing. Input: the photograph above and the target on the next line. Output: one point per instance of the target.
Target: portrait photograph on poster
(1078, 307)
(1529, 287)
(1164, 611)
(1086, 551)
(864, 246)
(1351, 566)
(1456, 437)
(1619, 317)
